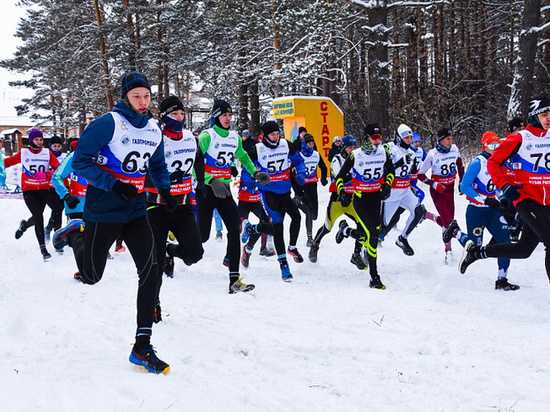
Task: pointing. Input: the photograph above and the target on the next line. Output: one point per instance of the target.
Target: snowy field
(435, 340)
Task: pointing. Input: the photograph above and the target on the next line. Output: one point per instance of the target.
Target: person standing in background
(37, 163)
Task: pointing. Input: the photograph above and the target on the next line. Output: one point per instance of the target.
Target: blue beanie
(131, 81)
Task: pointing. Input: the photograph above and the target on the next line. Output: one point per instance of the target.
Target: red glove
(438, 187)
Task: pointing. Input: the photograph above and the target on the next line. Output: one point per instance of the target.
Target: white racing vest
(274, 161)
(444, 165)
(532, 161)
(31, 164)
(126, 155)
(403, 175)
(483, 183)
(368, 169)
(311, 163)
(220, 154)
(180, 155)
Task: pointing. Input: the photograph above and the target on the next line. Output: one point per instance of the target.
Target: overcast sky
(12, 14)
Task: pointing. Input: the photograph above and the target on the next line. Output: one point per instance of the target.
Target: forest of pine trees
(467, 64)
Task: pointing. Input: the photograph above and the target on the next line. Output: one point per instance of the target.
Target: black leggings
(309, 204)
(536, 229)
(36, 202)
(276, 206)
(367, 208)
(227, 209)
(183, 225)
(91, 257)
(56, 205)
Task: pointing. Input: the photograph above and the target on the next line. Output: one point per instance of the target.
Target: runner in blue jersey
(274, 156)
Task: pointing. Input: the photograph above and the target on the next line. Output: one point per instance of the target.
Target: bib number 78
(539, 157)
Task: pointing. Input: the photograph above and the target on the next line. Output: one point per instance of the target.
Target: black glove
(126, 191)
(220, 189)
(234, 171)
(385, 191)
(492, 203)
(176, 177)
(511, 192)
(169, 200)
(504, 204)
(72, 201)
(262, 178)
(200, 190)
(408, 158)
(344, 198)
(324, 181)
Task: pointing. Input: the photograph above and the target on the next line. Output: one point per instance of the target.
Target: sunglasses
(493, 146)
(376, 137)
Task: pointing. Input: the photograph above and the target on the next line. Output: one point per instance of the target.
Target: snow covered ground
(435, 340)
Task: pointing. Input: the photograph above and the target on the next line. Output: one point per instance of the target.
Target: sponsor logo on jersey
(144, 142)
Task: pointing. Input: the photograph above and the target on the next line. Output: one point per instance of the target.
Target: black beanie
(309, 138)
(538, 104)
(220, 107)
(302, 129)
(170, 104)
(443, 133)
(55, 139)
(515, 123)
(270, 127)
(131, 81)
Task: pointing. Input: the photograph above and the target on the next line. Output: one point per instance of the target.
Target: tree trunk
(277, 46)
(254, 109)
(104, 63)
(522, 85)
(131, 35)
(379, 74)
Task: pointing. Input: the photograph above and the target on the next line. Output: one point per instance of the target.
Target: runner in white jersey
(307, 198)
(372, 173)
(183, 158)
(402, 194)
(36, 162)
(114, 154)
(445, 163)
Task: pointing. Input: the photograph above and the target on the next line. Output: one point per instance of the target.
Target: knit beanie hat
(270, 127)
(309, 138)
(443, 133)
(55, 139)
(131, 81)
(33, 134)
(515, 123)
(220, 107)
(170, 104)
(166, 107)
(539, 104)
(302, 129)
(488, 138)
(267, 128)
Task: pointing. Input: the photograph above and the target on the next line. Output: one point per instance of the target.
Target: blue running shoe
(285, 273)
(60, 238)
(247, 232)
(147, 358)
